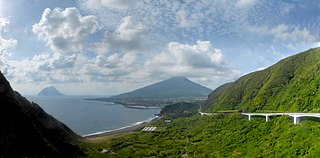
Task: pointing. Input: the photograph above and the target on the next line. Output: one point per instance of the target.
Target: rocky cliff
(28, 131)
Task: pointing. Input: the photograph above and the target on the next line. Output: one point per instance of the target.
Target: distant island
(172, 90)
(50, 91)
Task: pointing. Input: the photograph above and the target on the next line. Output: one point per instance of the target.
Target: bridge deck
(296, 116)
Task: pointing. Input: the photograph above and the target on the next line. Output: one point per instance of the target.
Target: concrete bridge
(296, 116)
(207, 114)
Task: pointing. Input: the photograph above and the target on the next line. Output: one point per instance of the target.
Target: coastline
(133, 127)
(141, 104)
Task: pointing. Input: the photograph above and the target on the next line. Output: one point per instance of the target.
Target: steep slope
(28, 131)
(290, 85)
(174, 87)
(50, 91)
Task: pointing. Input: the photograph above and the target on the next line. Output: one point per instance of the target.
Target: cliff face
(28, 131)
(291, 85)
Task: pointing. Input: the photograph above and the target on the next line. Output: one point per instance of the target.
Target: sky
(106, 47)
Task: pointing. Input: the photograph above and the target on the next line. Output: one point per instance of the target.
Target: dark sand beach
(121, 130)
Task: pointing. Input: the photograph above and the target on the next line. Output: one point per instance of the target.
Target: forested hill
(290, 85)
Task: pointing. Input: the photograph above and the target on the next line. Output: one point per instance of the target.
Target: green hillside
(214, 136)
(290, 85)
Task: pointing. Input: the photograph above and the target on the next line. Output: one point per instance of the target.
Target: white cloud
(3, 23)
(288, 35)
(246, 3)
(112, 67)
(199, 55)
(45, 68)
(6, 68)
(66, 30)
(292, 34)
(7, 43)
(128, 36)
(117, 4)
(57, 61)
(197, 61)
(114, 61)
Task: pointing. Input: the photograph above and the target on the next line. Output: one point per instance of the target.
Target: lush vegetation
(181, 109)
(214, 136)
(290, 85)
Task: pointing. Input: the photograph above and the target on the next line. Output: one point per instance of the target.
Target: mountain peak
(174, 87)
(50, 91)
(178, 78)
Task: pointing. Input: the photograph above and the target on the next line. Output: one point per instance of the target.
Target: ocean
(87, 117)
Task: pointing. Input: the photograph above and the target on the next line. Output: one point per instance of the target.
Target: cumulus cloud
(6, 68)
(198, 60)
(113, 67)
(66, 30)
(200, 55)
(5, 43)
(128, 36)
(46, 68)
(115, 60)
(46, 63)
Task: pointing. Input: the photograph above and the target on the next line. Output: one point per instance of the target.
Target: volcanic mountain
(28, 131)
(291, 85)
(50, 91)
(175, 87)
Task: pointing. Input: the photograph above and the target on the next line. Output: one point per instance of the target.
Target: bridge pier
(249, 117)
(296, 120)
(267, 118)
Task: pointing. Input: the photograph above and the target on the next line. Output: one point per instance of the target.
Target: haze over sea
(87, 117)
